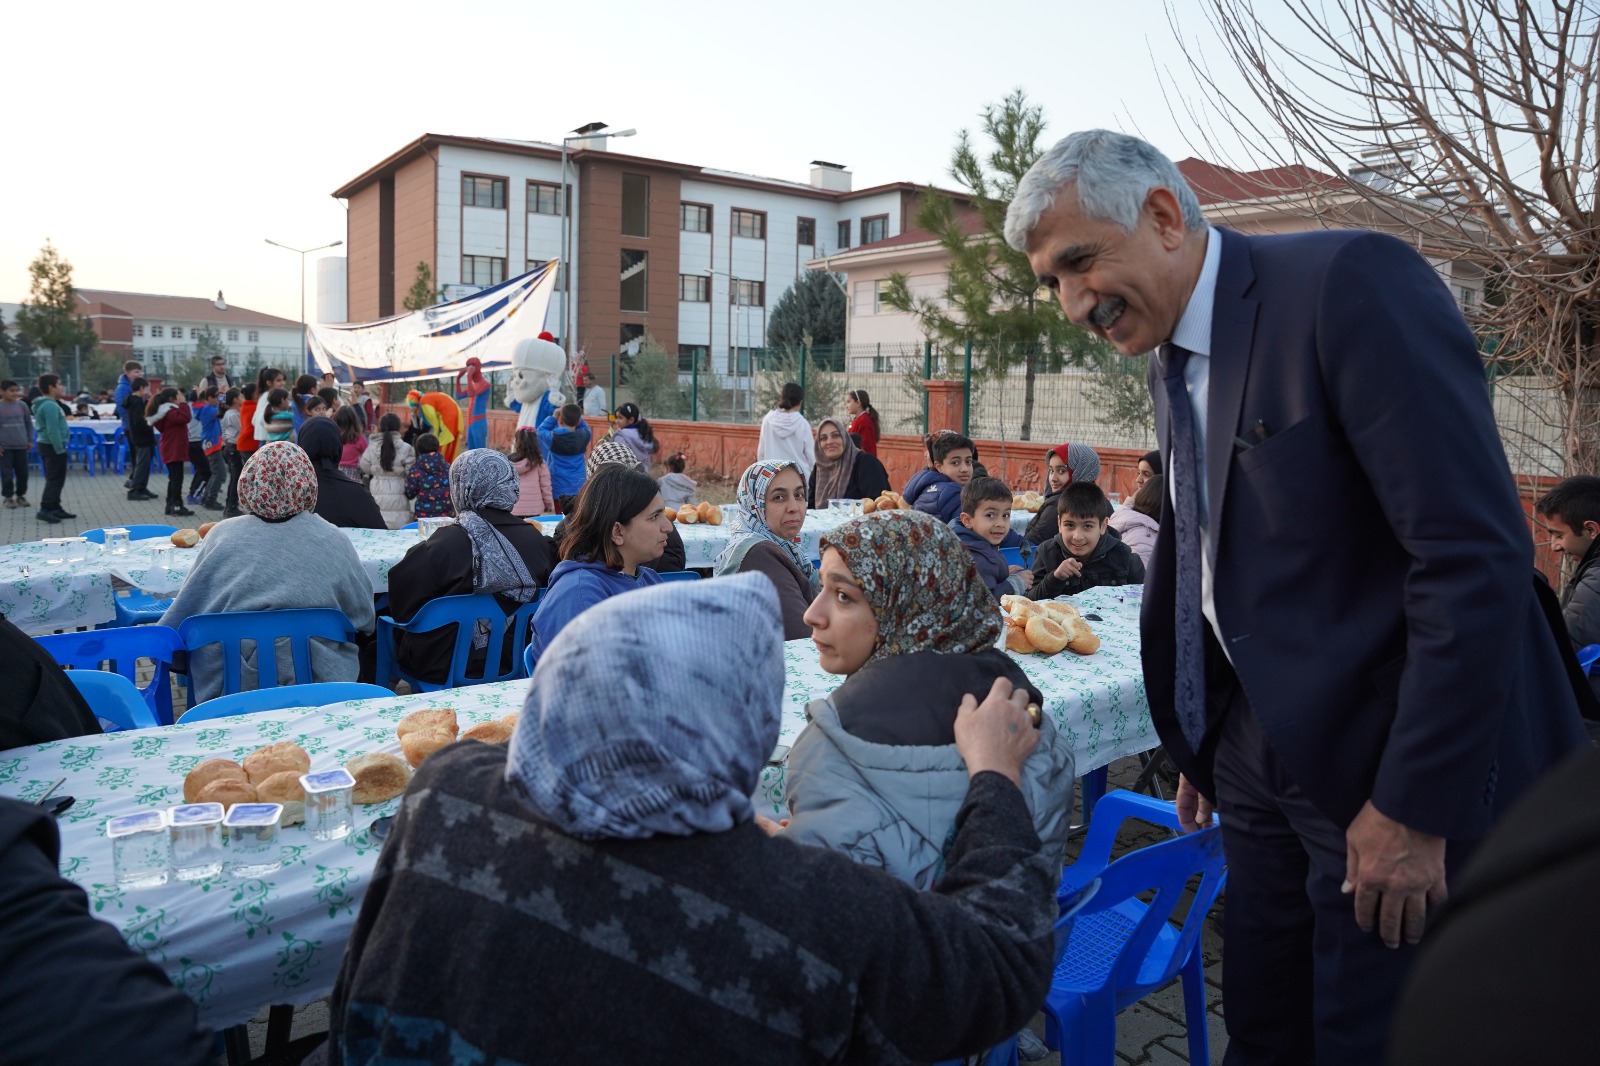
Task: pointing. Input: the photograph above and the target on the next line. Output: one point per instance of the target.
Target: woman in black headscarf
(340, 501)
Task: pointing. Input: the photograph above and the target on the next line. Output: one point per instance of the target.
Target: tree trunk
(1583, 430)
(1030, 370)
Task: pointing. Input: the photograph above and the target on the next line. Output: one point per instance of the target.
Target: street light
(304, 357)
(582, 133)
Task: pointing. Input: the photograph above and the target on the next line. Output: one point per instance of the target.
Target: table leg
(236, 1045)
(280, 1019)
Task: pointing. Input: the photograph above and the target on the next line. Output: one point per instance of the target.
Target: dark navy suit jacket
(1373, 565)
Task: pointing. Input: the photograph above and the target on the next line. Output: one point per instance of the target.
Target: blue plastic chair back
(527, 660)
(284, 697)
(265, 629)
(1588, 655)
(680, 575)
(98, 536)
(1122, 949)
(1012, 556)
(122, 648)
(409, 525)
(463, 612)
(84, 443)
(113, 699)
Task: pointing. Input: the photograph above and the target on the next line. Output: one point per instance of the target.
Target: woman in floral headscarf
(764, 538)
(278, 492)
(876, 774)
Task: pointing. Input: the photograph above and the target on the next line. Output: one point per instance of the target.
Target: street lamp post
(304, 356)
(582, 133)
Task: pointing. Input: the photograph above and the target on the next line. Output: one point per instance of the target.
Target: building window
(844, 235)
(482, 192)
(748, 293)
(255, 335)
(233, 335)
(1469, 297)
(739, 361)
(632, 340)
(879, 306)
(483, 270)
(544, 198)
(635, 275)
(875, 228)
(693, 357)
(635, 205)
(138, 330)
(805, 231)
(694, 288)
(751, 224)
(158, 331)
(694, 218)
(194, 333)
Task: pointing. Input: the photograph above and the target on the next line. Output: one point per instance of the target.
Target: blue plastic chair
(527, 660)
(1012, 556)
(1122, 949)
(284, 697)
(463, 612)
(408, 525)
(84, 444)
(1588, 655)
(680, 575)
(113, 699)
(114, 452)
(98, 536)
(265, 628)
(122, 648)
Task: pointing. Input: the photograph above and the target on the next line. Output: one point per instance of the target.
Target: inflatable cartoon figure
(536, 369)
(442, 415)
(473, 388)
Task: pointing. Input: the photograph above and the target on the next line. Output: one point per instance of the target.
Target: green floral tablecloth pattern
(1097, 700)
(232, 944)
(702, 543)
(40, 596)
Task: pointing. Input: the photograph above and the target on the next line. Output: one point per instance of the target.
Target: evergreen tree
(809, 314)
(991, 292)
(422, 293)
(50, 314)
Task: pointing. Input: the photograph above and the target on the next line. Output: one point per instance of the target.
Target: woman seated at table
(616, 527)
(345, 503)
(877, 773)
(565, 863)
(487, 550)
(843, 471)
(764, 538)
(278, 556)
(610, 452)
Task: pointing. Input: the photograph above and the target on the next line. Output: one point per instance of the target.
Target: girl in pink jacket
(528, 460)
(1137, 523)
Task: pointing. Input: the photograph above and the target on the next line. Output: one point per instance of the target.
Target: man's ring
(1033, 714)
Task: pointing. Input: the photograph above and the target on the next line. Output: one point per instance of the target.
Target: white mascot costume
(534, 388)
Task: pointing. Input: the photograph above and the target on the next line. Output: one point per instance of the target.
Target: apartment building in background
(695, 256)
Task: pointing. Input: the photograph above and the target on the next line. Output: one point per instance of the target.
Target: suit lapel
(1233, 326)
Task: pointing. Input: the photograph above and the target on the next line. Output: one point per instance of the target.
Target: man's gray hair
(1114, 173)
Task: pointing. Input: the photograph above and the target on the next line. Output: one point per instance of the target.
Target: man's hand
(1026, 575)
(996, 734)
(770, 827)
(1396, 873)
(1194, 810)
(1069, 567)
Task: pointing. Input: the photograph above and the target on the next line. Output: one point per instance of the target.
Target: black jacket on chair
(37, 703)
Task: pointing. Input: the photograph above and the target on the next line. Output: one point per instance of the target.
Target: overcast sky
(158, 144)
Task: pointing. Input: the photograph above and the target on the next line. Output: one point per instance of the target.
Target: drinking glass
(117, 541)
(252, 830)
(141, 851)
(196, 840)
(330, 810)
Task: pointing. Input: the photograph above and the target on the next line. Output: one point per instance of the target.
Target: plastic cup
(330, 806)
(78, 550)
(55, 549)
(252, 830)
(117, 541)
(196, 840)
(427, 527)
(141, 850)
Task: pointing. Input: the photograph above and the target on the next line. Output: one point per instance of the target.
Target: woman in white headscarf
(610, 854)
(487, 550)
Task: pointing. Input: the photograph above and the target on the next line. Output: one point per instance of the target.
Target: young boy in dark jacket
(1084, 552)
(937, 490)
(1571, 514)
(984, 522)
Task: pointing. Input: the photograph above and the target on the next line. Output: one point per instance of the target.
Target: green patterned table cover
(40, 596)
(702, 543)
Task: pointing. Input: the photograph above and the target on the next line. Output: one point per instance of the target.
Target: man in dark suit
(1342, 646)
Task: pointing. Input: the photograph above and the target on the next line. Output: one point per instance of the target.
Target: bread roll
(512, 719)
(887, 503)
(1047, 634)
(442, 718)
(275, 759)
(1059, 609)
(209, 771)
(900, 501)
(227, 791)
(379, 776)
(672, 516)
(688, 515)
(206, 528)
(421, 743)
(713, 515)
(284, 787)
(186, 538)
(1080, 638)
(489, 733)
(1017, 641)
(1019, 503)
(1024, 609)
(868, 506)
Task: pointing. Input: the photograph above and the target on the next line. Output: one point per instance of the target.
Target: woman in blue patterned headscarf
(764, 537)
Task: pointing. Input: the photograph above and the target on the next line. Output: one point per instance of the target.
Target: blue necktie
(1189, 687)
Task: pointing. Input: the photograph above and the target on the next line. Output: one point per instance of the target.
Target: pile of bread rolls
(270, 774)
(424, 732)
(1046, 627)
(1029, 501)
(886, 501)
(690, 513)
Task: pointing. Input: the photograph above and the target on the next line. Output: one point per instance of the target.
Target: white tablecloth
(238, 944)
(702, 543)
(106, 427)
(39, 596)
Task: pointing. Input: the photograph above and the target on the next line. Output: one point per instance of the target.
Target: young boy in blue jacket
(564, 436)
(984, 522)
(937, 490)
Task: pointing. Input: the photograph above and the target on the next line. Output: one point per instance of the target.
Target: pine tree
(50, 314)
(810, 313)
(422, 293)
(991, 292)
